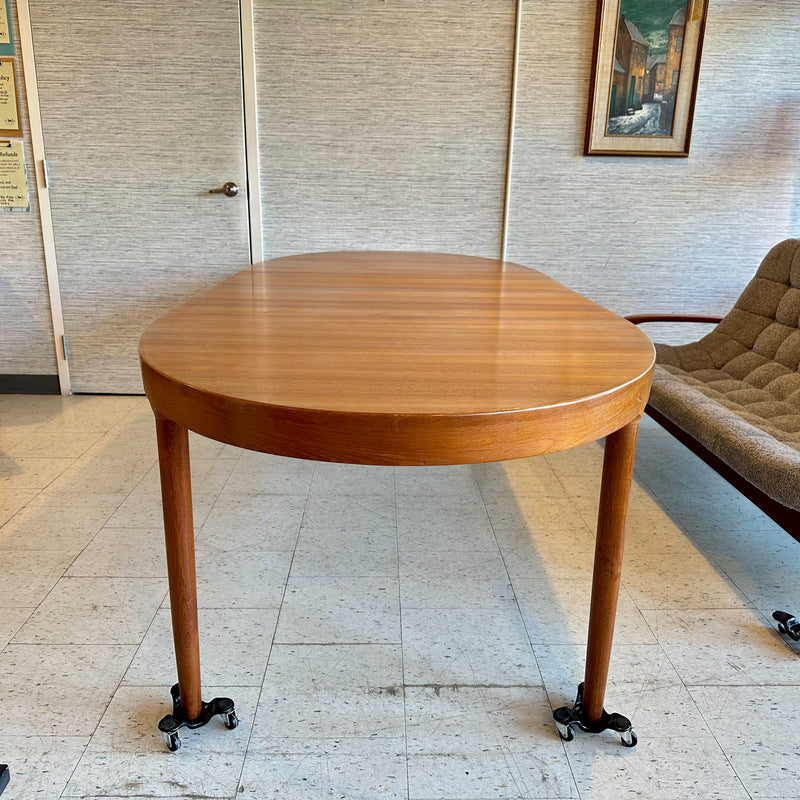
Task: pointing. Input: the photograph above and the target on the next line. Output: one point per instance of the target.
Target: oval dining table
(395, 358)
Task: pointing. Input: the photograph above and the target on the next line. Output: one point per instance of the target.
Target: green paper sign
(6, 42)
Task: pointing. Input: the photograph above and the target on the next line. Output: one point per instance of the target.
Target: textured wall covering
(649, 234)
(25, 328)
(383, 124)
(142, 115)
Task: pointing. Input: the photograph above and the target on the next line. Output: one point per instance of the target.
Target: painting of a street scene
(647, 66)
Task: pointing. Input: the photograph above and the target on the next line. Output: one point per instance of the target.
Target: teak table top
(396, 358)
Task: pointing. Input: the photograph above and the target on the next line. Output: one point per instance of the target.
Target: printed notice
(5, 28)
(6, 45)
(13, 184)
(9, 105)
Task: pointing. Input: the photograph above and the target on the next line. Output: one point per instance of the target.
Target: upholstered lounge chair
(733, 396)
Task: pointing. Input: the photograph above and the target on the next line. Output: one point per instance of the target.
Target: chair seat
(756, 434)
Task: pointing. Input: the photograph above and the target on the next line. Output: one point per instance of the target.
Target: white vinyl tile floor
(384, 632)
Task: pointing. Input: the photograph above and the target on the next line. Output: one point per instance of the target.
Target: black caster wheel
(231, 721)
(565, 733)
(172, 723)
(787, 624)
(628, 739)
(172, 741)
(567, 718)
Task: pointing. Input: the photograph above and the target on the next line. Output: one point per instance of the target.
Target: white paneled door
(142, 116)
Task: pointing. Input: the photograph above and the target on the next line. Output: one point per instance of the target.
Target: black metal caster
(172, 723)
(568, 718)
(787, 624)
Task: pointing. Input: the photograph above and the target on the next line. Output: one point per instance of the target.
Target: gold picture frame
(646, 63)
(10, 120)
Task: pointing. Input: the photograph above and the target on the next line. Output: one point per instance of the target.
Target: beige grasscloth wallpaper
(385, 125)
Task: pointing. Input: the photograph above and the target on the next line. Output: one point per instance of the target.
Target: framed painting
(644, 79)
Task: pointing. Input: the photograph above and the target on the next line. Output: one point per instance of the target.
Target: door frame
(250, 113)
(43, 193)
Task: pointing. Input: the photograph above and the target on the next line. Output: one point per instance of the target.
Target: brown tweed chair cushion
(737, 390)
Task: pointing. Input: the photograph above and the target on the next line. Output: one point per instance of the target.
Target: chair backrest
(759, 339)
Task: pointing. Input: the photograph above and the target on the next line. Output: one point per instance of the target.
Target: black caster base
(787, 624)
(172, 723)
(568, 718)
(3, 777)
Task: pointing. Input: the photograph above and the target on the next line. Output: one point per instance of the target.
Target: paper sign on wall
(9, 105)
(13, 183)
(6, 44)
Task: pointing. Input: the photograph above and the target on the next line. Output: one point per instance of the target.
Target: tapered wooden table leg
(588, 712)
(176, 498)
(188, 708)
(614, 493)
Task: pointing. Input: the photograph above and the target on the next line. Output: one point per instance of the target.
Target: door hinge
(48, 181)
(65, 347)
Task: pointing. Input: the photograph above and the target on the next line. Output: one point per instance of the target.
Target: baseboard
(29, 384)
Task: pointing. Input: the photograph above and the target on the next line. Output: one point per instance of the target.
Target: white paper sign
(13, 182)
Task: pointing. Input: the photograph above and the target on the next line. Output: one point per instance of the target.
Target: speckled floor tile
(763, 565)
(79, 501)
(111, 473)
(28, 472)
(530, 515)
(241, 579)
(128, 758)
(724, 647)
(437, 482)
(58, 690)
(660, 768)
(202, 447)
(234, 648)
(445, 523)
(40, 766)
(142, 508)
(692, 493)
(258, 522)
(29, 575)
(557, 548)
(557, 612)
(68, 527)
(11, 620)
(759, 730)
(371, 554)
(340, 611)
(261, 473)
(695, 583)
(492, 773)
(327, 514)
(454, 579)
(345, 480)
(95, 611)
(586, 459)
(465, 719)
(527, 477)
(367, 769)
(467, 646)
(123, 553)
(333, 691)
(12, 502)
(46, 441)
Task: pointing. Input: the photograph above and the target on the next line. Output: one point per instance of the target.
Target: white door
(142, 116)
